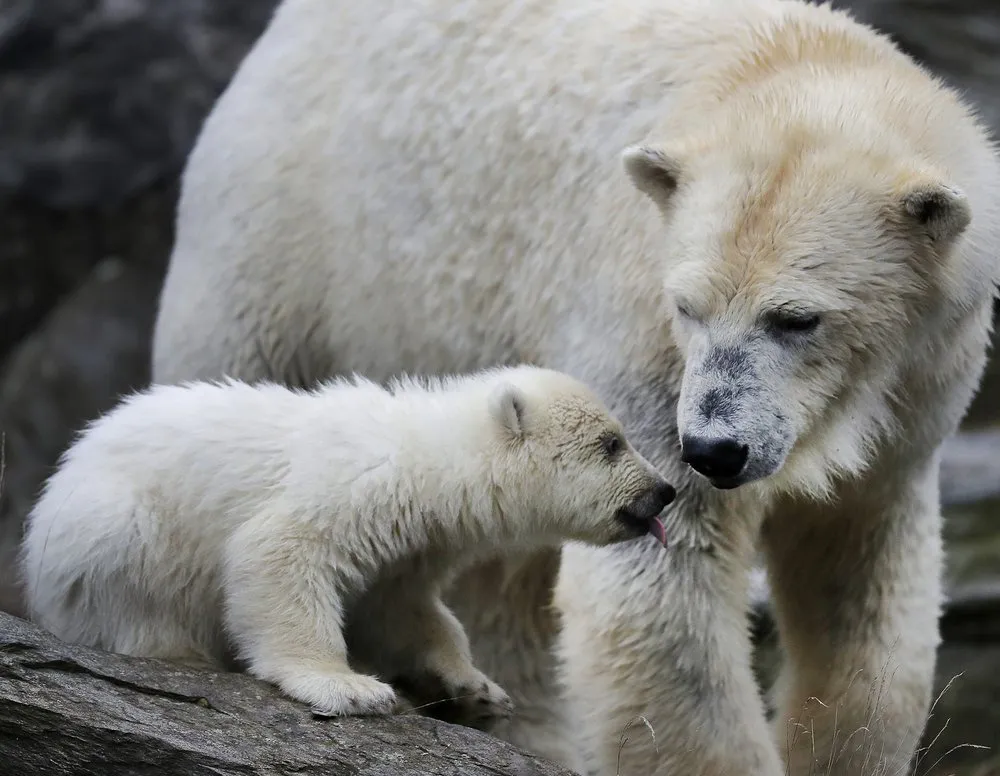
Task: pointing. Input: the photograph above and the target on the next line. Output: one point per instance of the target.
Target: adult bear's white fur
(439, 185)
(191, 516)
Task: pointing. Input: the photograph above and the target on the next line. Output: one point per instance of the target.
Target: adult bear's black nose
(715, 458)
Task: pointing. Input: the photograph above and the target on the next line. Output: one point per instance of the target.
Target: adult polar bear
(794, 276)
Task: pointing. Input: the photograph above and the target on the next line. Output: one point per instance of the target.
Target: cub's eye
(793, 323)
(612, 445)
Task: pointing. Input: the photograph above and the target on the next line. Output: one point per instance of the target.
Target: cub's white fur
(754, 222)
(195, 516)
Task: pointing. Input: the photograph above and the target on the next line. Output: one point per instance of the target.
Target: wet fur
(438, 186)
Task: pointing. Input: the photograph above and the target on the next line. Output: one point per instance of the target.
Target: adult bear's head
(810, 256)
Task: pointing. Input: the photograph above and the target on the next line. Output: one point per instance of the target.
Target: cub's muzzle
(642, 516)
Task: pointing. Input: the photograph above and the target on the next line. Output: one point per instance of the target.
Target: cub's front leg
(407, 634)
(284, 614)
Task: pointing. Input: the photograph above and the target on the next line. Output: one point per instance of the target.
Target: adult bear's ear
(653, 171)
(507, 406)
(941, 211)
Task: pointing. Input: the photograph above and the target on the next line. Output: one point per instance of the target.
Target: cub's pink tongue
(658, 530)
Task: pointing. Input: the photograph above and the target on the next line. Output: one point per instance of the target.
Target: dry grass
(874, 759)
(623, 739)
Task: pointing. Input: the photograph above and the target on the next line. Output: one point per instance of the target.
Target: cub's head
(808, 265)
(565, 459)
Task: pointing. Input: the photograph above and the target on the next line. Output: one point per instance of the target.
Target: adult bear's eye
(684, 311)
(793, 323)
(612, 445)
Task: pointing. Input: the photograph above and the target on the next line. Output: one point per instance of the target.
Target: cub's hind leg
(404, 630)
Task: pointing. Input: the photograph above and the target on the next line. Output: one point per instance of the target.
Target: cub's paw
(468, 698)
(481, 702)
(342, 694)
(404, 706)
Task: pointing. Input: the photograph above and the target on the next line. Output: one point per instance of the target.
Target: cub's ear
(942, 211)
(507, 405)
(653, 171)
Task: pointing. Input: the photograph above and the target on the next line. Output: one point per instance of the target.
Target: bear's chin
(640, 526)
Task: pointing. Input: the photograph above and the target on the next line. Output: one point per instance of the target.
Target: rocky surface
(100, 101)
(70, 711)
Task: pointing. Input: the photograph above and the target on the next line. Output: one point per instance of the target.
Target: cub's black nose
(663, 495)
(643, 515)
(653, 501)
(714, 458)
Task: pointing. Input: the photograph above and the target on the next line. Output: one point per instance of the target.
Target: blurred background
(100, 102)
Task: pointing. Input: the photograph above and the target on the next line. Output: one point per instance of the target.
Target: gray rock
(102, 98)
(71, 711)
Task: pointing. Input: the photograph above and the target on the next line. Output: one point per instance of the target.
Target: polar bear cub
(296, 528)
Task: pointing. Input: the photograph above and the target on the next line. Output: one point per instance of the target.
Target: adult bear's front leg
(857, 595)
(663, 634)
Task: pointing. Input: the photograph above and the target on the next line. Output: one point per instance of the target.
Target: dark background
(100, 101)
